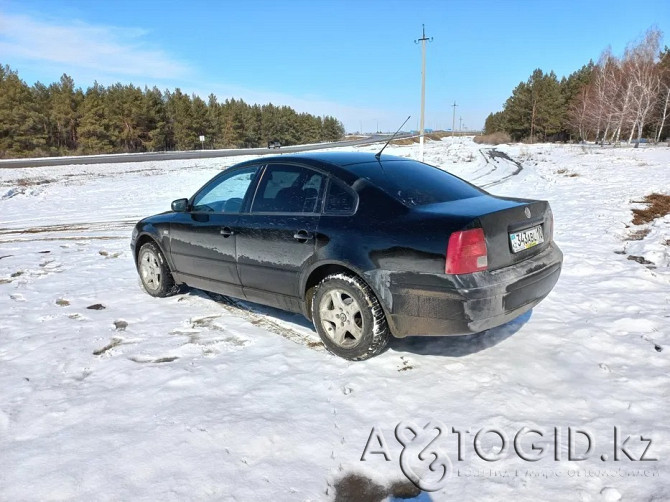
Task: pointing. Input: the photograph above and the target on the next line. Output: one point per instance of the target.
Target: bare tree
(623, 97)
(602, 104)
(664, 103)
(578, 111)
(664, 93)
(643, 80)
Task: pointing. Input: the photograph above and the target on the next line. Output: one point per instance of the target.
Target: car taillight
(466, 252)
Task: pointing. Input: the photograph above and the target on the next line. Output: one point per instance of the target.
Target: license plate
(526, 239)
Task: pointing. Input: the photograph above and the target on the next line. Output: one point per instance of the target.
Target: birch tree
(643, 80)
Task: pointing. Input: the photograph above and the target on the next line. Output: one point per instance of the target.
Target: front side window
(226, 194)
(288, 189)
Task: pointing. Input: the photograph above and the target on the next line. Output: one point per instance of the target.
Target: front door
(202, 240)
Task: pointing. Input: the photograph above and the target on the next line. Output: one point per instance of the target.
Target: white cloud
(76, 45)
(354, 118)
(110, 54)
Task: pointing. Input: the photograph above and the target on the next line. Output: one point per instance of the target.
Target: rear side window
(339, 200)
(288, 189)
(417, 184)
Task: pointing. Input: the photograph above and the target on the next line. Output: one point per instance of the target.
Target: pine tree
(47, 129)
(517, 112)
(61, 119)
(333, 130)
(21, 129)
(214, 122)
(179, 109)
(94, 128)
(65, 101)
(495, 122)
(550, 107)
(200, 124)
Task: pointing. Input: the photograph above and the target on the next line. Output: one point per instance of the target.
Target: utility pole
(453, 123)
(460, 125)
(423, 41)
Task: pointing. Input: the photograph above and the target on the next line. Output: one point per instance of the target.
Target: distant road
(191, 154)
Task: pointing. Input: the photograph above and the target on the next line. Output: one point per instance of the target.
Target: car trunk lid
(516, 233)
(528, 221)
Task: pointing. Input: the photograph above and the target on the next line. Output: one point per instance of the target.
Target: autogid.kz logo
(421, 460)
(425, 462)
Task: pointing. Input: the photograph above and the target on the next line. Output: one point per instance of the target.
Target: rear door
(277, 237)
(202, 240)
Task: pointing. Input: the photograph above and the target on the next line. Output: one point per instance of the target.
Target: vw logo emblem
(527, 211)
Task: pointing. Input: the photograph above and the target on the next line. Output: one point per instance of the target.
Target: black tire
(349, 318)
(154, 272)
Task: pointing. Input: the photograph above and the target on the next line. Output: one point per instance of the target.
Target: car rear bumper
(434, 305)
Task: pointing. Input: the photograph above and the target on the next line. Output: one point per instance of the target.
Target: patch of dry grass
(658, 206)
(496, 138)
(638, 235)
(432, 136)
(567, 173)
(438, 135)
(28, 182)
(115, 342)
(405, 141)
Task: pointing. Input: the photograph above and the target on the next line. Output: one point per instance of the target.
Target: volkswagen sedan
(366, 247)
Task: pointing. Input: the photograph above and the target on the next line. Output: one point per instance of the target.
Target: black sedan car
(365, 246)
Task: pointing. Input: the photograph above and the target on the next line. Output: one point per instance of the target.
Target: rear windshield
(417, 184)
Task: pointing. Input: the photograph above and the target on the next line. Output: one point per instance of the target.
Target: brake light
(466, 252)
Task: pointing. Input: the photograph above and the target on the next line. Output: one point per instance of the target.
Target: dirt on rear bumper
(439, 304)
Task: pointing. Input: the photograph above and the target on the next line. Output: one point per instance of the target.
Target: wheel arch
(145, 237)
(141, 241)
(320, 271)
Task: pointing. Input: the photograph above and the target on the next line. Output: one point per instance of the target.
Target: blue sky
(355, 60)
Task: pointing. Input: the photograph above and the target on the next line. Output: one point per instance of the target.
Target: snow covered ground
(200, 398)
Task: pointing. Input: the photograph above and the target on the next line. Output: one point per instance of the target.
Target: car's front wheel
(154, 271)
(348, 317)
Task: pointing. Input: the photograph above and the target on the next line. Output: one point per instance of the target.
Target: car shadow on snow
(448, 346)
(459, 346)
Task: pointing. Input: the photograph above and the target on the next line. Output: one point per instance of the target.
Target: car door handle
(303, 235)
(226, 232)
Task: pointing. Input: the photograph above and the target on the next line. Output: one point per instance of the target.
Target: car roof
(389, 174)
(340, 159)
(344, 159)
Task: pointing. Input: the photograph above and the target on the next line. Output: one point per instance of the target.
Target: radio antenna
(391, 139)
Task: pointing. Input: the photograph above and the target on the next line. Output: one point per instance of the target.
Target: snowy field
(200, 398)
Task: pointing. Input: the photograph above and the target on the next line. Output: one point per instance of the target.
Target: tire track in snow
(482, 152)
(80, 231)
(240, 309)
(494, 154)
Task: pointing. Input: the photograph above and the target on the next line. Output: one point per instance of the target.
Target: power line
(423, 41)
(453, 122)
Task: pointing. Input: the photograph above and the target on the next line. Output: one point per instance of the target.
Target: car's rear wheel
(154, 271)
(348, 318)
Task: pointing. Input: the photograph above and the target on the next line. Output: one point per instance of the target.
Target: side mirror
(180, 205)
